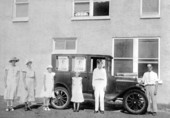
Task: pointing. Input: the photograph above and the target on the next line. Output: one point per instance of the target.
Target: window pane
(21, 10)
(94, 62)
(148, 60)
(79, 64)
(123, 48)
(59, 44)
(148, 48)
(70, 44)
(142, 68)
(123, 66)
(150, 6)
(101, 8)
(81, 9)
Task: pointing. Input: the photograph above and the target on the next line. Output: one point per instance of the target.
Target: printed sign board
(80, 64)
(63, 63)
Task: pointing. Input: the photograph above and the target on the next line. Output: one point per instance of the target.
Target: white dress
(12, 78)
(77, 93)
(49, 83)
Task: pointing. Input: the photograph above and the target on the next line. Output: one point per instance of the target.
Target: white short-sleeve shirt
(150, 78)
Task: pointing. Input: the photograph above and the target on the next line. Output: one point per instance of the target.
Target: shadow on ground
(88, 105)
(34, 106)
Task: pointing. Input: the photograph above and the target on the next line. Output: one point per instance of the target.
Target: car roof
(91, 55)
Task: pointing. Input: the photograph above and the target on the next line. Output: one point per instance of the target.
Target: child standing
(11, 79)
(48, 87)
(77, 93)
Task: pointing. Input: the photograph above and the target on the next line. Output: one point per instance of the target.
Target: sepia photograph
(84, 58)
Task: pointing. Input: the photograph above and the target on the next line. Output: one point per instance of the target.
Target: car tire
(62, 98)
(135, 102)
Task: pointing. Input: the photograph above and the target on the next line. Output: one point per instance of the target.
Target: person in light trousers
(150, 80)
(99, 83)
(30, 83)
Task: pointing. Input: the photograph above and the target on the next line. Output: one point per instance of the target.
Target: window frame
(64, 51)
(135, 57)
(149, 16)
(90, 17)
(18, 19)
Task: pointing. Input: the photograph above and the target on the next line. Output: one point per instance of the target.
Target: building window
(132, 55)
(64, 45)
(91, 9)
(150, 8)
(123, 55)
(147, 53)
(20, 11)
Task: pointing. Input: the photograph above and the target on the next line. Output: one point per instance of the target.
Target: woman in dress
(29, 80)
(77, 94)
(48, 87)
(11, 79)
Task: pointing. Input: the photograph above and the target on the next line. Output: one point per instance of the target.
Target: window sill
(91, 18)
(24, 19)
(150, 17)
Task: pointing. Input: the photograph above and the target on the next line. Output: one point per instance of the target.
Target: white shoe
(11, 109)
(48, 109)
(7, 109)
(45, 108)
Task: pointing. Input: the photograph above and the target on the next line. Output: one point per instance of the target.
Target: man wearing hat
(99, 84)
(11, 79)
(150, 80)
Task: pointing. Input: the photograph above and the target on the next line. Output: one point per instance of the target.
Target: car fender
(137, 86)
(61, 84)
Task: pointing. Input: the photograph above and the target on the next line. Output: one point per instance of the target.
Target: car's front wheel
(135, 102)
(62, 98)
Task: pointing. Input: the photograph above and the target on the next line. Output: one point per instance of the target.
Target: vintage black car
(120, 87)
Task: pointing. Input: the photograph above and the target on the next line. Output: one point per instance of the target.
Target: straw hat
(28, 61)
(50, 66)
(14, 59)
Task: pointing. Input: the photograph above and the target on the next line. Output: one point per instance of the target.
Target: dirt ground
(113, 110)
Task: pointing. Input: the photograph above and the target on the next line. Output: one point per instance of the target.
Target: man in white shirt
(150, 80)
(99, 84)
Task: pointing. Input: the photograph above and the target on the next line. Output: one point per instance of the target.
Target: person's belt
(99, 79)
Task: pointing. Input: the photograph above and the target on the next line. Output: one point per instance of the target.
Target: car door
(61, 66)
